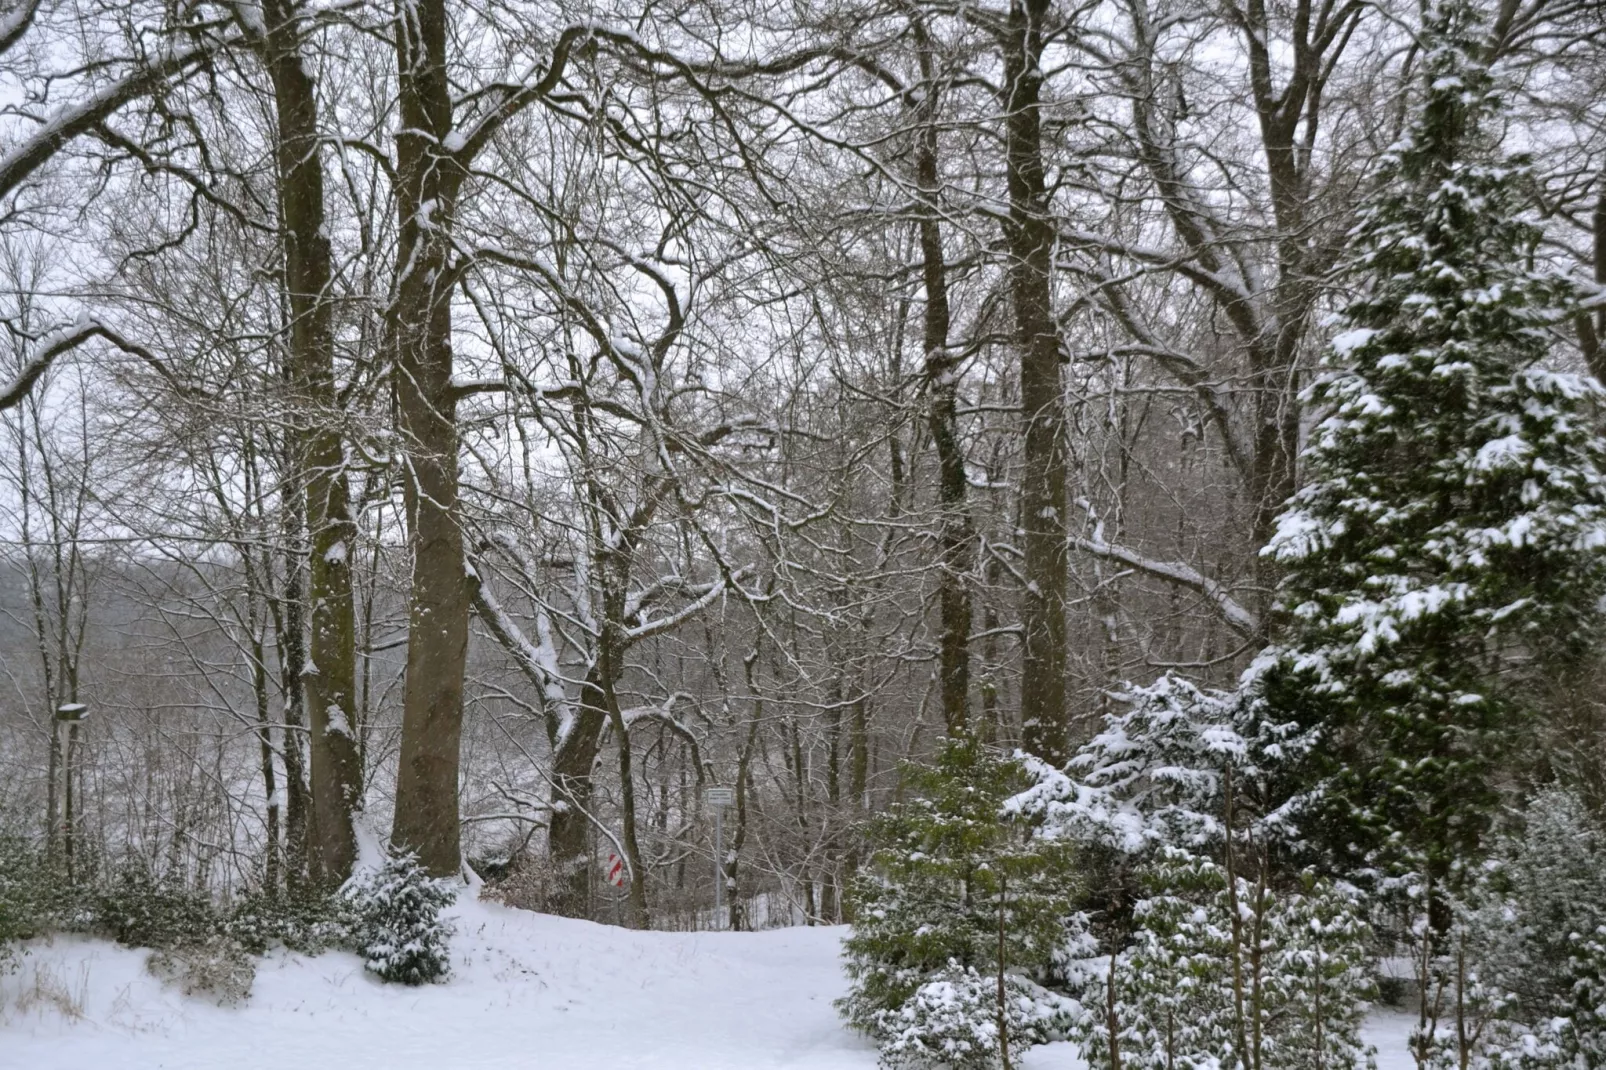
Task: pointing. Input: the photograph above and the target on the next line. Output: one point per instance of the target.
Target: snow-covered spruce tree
(1446, 545)
(1527, 949)
(394, 921)
(1180, 766)
(1285, 989)
(958, 915)
(1229, 957)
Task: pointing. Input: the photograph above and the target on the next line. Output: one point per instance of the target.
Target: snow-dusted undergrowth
(527, 991)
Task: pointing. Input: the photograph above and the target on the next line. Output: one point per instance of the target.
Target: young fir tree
(1286, 988)
(1528, 949)
(958, 915)
(394, 921)
(1447, 543)
(1229, 957)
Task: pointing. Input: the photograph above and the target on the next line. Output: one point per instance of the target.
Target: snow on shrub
(1291, 980)
(952, 1020)
(395, 924)
(1226, 959)
(954, 890)
(217, 967)
(302, 920)
(137, 908)
(1521, 971)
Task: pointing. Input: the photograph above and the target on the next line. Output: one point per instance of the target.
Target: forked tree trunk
(609, 659)
(568, 835)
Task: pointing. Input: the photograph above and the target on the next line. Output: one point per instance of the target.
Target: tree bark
(567, 835)
(609, 662)
(1029, 236)
(744, 792)
(955, 538)
(318, 453)
(428, 178)
(1592, 330)
(270, 786)
(287, 608)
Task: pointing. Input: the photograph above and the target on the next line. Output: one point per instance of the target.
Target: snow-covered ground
(528, 991)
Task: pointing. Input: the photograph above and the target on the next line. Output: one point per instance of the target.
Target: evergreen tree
(1446, 544)
(1526, 954)
(1180, 767)
(1229, 958)
(395, 921)
(1286, 988)
(958, 916)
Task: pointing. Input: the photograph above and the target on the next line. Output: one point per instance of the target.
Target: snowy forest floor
(527, 991)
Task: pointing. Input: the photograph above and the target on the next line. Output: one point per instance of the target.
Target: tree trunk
(290, 633)
(954, 538)
(1029, 236)
(319, 456)
(69, 821)
(610, 656)
(427, 182)
(744, 794)
(1592, 331)
(568, 837)
(270, 787)
(1003, 966)
(52, 790)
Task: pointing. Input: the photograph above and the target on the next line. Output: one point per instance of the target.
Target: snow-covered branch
(537, 661)
(15, 23)
(67, 339)
(1232, 612)
(707, 598)
(71, 120)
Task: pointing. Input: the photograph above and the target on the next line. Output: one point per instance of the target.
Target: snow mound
(527, 991)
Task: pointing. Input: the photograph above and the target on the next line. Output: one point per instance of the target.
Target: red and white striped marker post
(614, 871)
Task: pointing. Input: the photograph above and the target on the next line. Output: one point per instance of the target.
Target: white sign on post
(717, 799)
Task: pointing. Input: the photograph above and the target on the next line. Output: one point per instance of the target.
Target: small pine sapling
(1287, 988)
(958, 915)
(1227, 959)
(395, 923)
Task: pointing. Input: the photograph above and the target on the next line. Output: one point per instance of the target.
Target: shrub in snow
(946, 872)
(1228, 956)
(304, 921)
(394, 921)
(138, 909)
(1517, 980)
(216, 967)
(1221, 972)
(28, 900)
(953, 1020)
(1164, 770)
(35, 897)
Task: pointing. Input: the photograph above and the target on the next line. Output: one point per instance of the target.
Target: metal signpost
(717, 799)
(70, 714)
